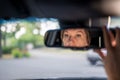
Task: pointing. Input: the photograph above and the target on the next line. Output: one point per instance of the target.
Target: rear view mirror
(81, 38)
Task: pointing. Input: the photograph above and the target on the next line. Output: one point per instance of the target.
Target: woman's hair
(86, 31)
(88, 36)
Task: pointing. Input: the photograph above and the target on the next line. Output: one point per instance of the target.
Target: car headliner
(61, 9)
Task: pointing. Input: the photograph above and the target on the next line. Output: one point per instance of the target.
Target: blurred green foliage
(27, 55)
(16, 53)
(7, 50)
(12, 43)
(20, 35)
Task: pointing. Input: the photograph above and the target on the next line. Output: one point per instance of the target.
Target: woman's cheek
(65, 42)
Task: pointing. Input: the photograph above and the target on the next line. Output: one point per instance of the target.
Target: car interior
(89, 15)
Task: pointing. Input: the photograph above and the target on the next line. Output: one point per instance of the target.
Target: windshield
(24, 55)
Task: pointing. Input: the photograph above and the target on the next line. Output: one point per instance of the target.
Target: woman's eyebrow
(80, 31)
(65, 31)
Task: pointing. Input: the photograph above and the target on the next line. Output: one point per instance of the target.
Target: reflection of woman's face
(75, 38)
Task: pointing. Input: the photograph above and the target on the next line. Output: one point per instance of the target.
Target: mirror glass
(75, 38)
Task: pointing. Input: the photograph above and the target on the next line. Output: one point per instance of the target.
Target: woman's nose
(71, 38)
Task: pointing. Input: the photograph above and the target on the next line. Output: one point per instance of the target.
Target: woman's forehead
(74, 30)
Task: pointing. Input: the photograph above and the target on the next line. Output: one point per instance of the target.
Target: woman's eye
(78, 35)
(66, 35)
